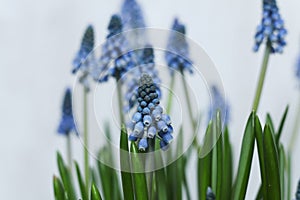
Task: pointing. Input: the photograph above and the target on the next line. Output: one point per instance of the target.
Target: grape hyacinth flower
(297, 68)
(271, 28)
(210, 194)
(132, 17)
(116, 59)
(84, 59)
(67, 123)
(149, 122)
(219, 103)
(177, 56)
(146, 65)
(298, 191)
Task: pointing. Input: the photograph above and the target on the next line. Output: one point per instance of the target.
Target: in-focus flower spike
(116, 59)
(145, 64)
(271, 28)
(298, 191)
(132, 17)
(210, 194)
(219, 103)
(67, 124)
(85, 59)
(177, 56)
(145, 121)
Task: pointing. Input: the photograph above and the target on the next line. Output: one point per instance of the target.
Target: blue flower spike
(271, 29)
(84, 60)
(116, 58)
(298, 192)
(297, 69)
(147, 124)
(133, 19)
(67, 123)
(219, 103)
(210, 194)
(145, 64)
(177, 56)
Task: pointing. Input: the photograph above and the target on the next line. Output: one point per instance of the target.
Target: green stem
(85, 138)
(120, 104)
(69, 151)
(262, 76)
(190, 111)
(170, 96)
(295, 129)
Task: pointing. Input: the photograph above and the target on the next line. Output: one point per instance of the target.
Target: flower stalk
(85, 138)
(262, 76)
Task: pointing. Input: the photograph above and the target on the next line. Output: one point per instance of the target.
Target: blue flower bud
(138, 128)
(147, 120)
(151, 132)
(146, 111)
(163, 145)
(136, 117)
(166, 118)
(143, 144)
(132, 138)
(161, 125)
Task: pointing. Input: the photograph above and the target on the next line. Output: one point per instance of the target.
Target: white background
(39, 38)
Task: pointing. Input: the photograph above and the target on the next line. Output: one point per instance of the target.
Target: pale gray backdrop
(38, 40)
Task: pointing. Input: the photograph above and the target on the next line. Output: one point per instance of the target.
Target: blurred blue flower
(298, 191)
(67, 123)
(145, 64)
(177, 56)
(219, 103)
(271, 28)
(87, 46)
(85, 60)
(149, 122)
(116, 58)
(210, 194)
(297, 68)
(132, 17)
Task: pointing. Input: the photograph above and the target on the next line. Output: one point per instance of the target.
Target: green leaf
(184, 179)
(179, 165)
(160, 178)
(219, 149)
(59, 191)
(279, 132)
(66, 178)
(282, 160)
(82, 186)
(227, 167)
(140, 183)
(260, 148)
(95, 194)
(245, 161)
(205, 166)
(271, 164)
(128, 191)
(289, 175)
(270, 122)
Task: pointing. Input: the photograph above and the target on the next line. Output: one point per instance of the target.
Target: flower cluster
(116, 59)
(133, 20)
(177, 56)
(67, 123)
(298, 191)
(297, 68)
(132, 15)
(219, 103)
(85, 59)
(145, 64)
(210, 194)
(271, 28)
(149, 118)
